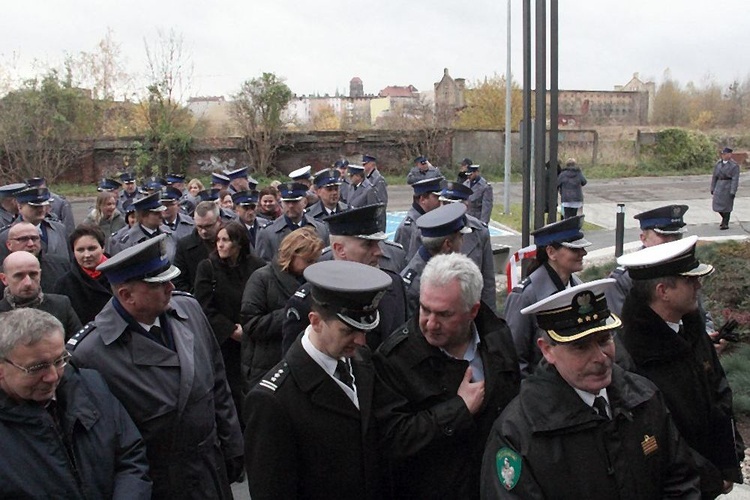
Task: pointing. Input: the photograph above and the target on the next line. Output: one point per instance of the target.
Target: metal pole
(506, 197)
(620, 229)
(540, 113)
(526, 130)
(553, 102)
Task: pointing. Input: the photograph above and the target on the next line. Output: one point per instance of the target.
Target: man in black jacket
(664, 333)
(582, 427)
(196, 246)
(310, 433)
(443, 379)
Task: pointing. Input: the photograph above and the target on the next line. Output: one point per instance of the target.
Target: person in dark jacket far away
(443, 379)
(570, 182)
(310, 433)
(665, 334)
(63, 433)
(724, 183)
(582, 427)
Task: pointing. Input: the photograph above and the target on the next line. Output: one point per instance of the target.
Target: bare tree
(258, 109)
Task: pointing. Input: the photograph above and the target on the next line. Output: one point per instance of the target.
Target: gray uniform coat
(407, 232)
(269, 238)
(60, 206)
(362, 194)
(478, 247)
(180, 401)
(412, 275)
(379, 185)
(480, 201)
(724, 183)
(56, 239)
(136, 235)
(183, 226)
(537, 286)
(316, 211)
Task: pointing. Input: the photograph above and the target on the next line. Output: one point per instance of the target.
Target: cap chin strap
(357, 325)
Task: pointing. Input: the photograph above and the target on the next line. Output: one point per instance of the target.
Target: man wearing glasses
(64, 433)
(25, 237)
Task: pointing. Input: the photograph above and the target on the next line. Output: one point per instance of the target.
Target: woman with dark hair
(560, 248)
(264, 301)
(106, 215)
(219, 282)
(86, 287)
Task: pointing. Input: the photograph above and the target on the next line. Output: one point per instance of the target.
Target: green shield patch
(508, 465)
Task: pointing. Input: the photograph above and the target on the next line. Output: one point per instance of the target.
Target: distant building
(449, 98)
(356, 89)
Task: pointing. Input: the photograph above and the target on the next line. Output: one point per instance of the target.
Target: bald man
(21, 274)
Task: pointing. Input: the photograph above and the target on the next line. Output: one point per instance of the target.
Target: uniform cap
(209, 194)
(676, 258)
(217, 178)
(420, 159)
(292, 191)
(727, 150)
(341, 164)
(175, 178)
(170, 193)
(127, 178)
(663, 220)
(566, 232)
(239, 173)
(368, 159)
(575, 312)
(466, 161)
(350, 290)
(443, 221)
(154, 184)
(147, 261)
(431, 185)
(472, 168)
(301, 173)
(35, 196)
(10, 190)
(150, 203)
(363, 222)
(454, 191)
(36, 181)
(107, 184)
(327, 177)
(242, 198)
(353, 169)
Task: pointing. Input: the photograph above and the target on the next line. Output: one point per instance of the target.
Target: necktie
(158, 334)
(343, 373)
(600, 406)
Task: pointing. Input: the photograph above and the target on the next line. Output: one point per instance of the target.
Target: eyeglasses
(42, 367)
(25, 239)
(207, 227)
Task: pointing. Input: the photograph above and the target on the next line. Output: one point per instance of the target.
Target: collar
(472, 355)
(588, 398)
(328, 364)
(418, 208)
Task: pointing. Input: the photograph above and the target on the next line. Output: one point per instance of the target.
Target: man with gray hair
(443, 379)
(65, 434)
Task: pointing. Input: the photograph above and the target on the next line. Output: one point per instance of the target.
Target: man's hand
(728, 485)
(471, 392)
(237, 333)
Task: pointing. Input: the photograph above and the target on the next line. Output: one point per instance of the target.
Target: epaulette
(484, 224)
(280, 373)
(523, 284)
(619, 271)
(408, 278)
(325, 251)
(181, 293)
(408, 221)
(393, 340)
(302, 292)
(78, 337)
(393, 244)
(266, 225)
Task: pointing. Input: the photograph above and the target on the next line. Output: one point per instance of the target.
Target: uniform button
(448, 430)
(444, 389)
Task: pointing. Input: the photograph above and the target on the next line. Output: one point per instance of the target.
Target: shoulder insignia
(301, 293)
(393, 244)
(485, 224)
(508, 465)
(325, 251)
(619, 271)
(407, 221)
(409, 276)
(78, 337)
(292, 312)
(393, 340)
(266, 224)
(280, 373)
(523, 284)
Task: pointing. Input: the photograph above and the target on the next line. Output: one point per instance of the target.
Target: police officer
(245, 203)
(108, 185)
(355, 237)
(8, 205)
(220, 181)
(129, 213)
(212, 195)
(560, 248)
(293, 205)
(443, 379)
(32, 208)
(239, 180)
(724, 183)
(310, 432)
(160, 358)
(341, 166)
(59, 206)
(370, 163)
(425, 199)
(180, 224)
(327, 183)
(421, 170)
(583, 427)
(150, 225)
(480, 202)
(360, 192)
(129, 191)
(664, 333)
(660, 225)
(477, 244)
(304, 176)
(441, 232)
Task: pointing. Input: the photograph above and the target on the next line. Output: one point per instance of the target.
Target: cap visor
(159, 209)
(582, 243)
(41, 204)
(701, 270)
(380, 235)
(449, 200)
(671, 231)
(296, 198)
(167, 275)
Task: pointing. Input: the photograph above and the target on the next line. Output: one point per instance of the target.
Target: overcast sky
(319, 45)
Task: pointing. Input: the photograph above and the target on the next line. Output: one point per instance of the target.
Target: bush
(681, 150)
(736, 367)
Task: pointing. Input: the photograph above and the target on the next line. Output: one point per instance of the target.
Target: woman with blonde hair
(264, 301)
(106, 215)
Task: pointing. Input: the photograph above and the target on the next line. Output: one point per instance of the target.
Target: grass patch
(737, 367)
(68, 189)
(514, 219)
